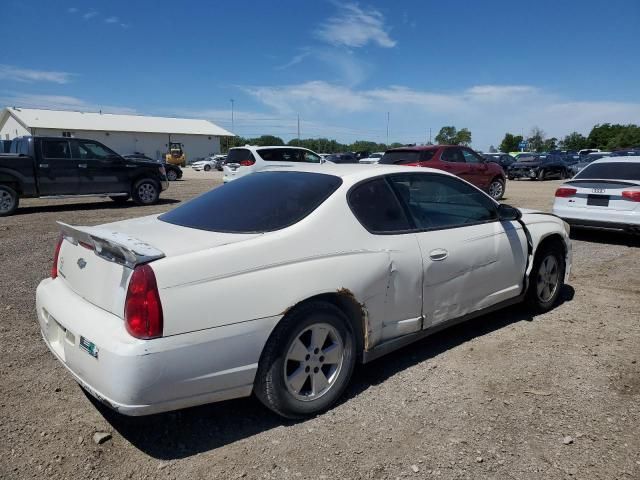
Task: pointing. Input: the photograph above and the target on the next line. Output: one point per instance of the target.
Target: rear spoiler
(113, 246)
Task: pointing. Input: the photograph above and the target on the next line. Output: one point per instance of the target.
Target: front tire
(307, 362)
(496, 188)
(207, 168)
(9, 201)
(541, 174)
(547, 278)
(146, 192)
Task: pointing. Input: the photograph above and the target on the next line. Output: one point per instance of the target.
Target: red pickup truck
(459, 160)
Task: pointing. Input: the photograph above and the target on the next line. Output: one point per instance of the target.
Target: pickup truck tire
(146, 192)
(9, 200)
(119, 200)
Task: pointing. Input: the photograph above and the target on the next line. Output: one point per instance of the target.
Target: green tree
(536, 140)
(463, 137)
(550, 144)
(510, 143)
(574, 141)
(266, 141)
(447, 135)
(396, 145)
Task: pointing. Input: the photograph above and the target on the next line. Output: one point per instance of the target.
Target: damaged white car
(279, 282)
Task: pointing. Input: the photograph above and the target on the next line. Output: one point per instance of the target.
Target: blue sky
(490, 66)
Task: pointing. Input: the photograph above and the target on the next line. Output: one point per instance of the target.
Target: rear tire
(9, 201)
(547, 278)
(496, 188)
(146, 192)
(120, 200)
(307, 362)
(172, 176)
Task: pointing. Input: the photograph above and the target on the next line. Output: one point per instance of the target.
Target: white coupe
(279, 282)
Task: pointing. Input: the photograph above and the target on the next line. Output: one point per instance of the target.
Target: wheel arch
(346, 302)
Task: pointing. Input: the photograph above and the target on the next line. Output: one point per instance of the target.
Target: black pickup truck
(61, 167)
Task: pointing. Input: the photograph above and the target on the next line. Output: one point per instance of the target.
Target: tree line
(604, 136)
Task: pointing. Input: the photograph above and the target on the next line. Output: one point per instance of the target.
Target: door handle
(82, 165)
(44, 165)
(438, 254)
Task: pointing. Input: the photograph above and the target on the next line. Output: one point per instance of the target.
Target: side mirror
(508, 213)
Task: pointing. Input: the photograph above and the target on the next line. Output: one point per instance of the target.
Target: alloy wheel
(6, 201)
(147, 192)
(548, 278)
(313, 362)
(496, 190)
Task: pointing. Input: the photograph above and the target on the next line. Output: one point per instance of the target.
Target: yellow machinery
(176, 155)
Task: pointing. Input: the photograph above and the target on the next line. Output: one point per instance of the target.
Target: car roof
(355, 172)
(630, 158)
(421, 147)
(262, 147)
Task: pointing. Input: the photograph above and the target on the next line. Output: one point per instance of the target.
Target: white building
(123, 133)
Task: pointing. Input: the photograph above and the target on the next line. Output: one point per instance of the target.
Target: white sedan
(300, 273)
(604, 194)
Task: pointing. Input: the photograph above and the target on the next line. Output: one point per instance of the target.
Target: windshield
(611, 170)
(262, 202)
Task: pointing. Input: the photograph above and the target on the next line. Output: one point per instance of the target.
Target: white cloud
(61, 102)
(72, 10)
(111, 20)
(90, 15)
(17, 74)
(488, 110)
(355, 27)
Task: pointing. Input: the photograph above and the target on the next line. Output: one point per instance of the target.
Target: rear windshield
(613, 170)
(403, 157)
(260, 202)
(237, 155)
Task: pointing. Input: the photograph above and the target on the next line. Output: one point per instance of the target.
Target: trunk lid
(97, 262)
(602, 195)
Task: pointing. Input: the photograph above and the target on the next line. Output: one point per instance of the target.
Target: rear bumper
(141, 377)
(605, 219)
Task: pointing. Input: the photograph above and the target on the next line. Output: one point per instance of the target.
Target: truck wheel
(120, 200)
(307, 362)
(8, 200)
(146, 192)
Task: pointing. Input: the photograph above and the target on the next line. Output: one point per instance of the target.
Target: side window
(56, 149)
(377, 208)
(310, 157)
(439, 201)
(94, 150)
(452, 155)
(292, 155)
(271, 154)
(470, 157)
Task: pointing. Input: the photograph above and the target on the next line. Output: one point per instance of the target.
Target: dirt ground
(506, 396)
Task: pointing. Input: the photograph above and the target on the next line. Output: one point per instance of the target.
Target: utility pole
(232, 125)
(387, 129)
(429, 135)
(298, 127)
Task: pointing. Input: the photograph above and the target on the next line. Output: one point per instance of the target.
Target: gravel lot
(506, 396)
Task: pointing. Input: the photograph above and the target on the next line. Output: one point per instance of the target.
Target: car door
(452, 160)
(101, 169)
(58, 172)
(379, 211)
(477, 168)
(471, 260)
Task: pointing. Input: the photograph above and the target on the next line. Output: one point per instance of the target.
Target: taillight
(633, 195)
(565, 192)
(142, 308)
(56, 255)
(247, 163)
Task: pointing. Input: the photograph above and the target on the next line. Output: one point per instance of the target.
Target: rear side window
(613, 170)
(237, 155)
(262, 202)
(56, 149)
(377, 208)
(452, 155)
(281, 155)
